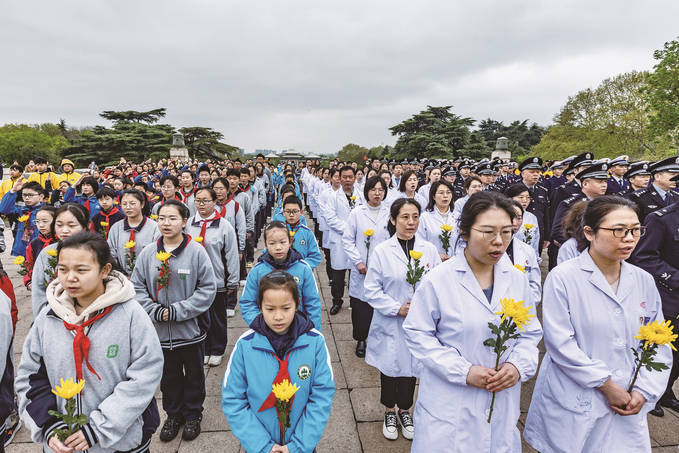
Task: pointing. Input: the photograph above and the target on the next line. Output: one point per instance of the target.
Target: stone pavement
(355, 423)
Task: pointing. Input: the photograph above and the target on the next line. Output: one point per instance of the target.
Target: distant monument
(178, 149)
(501, 149)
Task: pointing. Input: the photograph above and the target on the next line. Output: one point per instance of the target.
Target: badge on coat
(304, 372)
(296, 279)
(302, 242)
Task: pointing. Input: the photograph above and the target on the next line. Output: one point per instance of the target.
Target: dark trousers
(553, 253)
(258, 225)
(215, 343)
(337, 287)
(361, 317)
(328, 267)
(183, 382)
(250, 247)
(243, 270)
(232, 300)
(397, 391)
(674, 372)
(150, 422)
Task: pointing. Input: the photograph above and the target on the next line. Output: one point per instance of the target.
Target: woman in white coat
(407, 188)
(445, 330)
(592, 308)
(523, 257)
(472, 185)
(438, 213)
(528, 231)
(374, 216)
(389, 294)
(572, 229)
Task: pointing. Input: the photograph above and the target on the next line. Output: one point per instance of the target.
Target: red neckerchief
(282, 375)
(113, 210)
(185, 195)
(203, 227)
(81, 344)
(46, 240)
(222, 212)
(87, 204)
(294, 230)
(133, 230)
(245, 189)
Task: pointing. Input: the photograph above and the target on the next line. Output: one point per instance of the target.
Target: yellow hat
(67, 162)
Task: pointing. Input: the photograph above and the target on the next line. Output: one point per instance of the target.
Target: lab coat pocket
(433, 433)
(566, 393)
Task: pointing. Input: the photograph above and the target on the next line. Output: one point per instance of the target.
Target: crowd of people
(134, 270)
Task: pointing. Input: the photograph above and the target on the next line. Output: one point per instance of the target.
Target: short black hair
(171, 178)
(292, 199)
(179, 206)
(106, 191)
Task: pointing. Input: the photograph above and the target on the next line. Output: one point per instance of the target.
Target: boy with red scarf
(109, 214)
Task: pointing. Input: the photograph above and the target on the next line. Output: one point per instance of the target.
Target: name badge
(184, 271)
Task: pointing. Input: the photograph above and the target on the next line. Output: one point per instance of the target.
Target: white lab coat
(445, 330)
(430, 228)
(457, 209)
(326, 195)
(589, 334)
(386, 290)
(337, 212)
(530, 219)
(525, 256)
(354, 241)
(568, 250)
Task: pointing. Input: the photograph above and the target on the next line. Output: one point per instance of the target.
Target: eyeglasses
(202, 202)
(623, 232)
(505, 234)
(292, 211)
(29, 195)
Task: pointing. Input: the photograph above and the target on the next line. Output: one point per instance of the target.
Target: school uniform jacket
(354, 243)
(124, 351)
(445, 330)
(337, 212)
(222, 247)
(8, 206)
(90, 203)
(245, 201)
(247, 383)
(232, 212)
(39, 279)
(386, 290)
(589, 336)
(309, 298)
(119, 234)
(304, 241)
(280, 217)
(191, 291)
(6, 358)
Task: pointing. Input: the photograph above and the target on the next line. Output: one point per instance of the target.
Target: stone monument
(179, 149)
(501, 149)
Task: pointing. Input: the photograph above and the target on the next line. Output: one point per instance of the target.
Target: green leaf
(490, 342)
(56, 414)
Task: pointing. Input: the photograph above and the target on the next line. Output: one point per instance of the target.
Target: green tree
(663, 92)
(132, 116)
(23, 142)
(352, 153)
(434, 132)
(609, 120)
(521, 136)
(204, 143)
(476, 147)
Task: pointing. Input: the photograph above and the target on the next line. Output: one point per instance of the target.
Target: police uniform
(635, 169)
(539, 200)
(615, 185)
(658, 253)
(649, 199)
(569, 189)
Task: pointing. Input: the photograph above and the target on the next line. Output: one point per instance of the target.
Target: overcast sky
(310, 76)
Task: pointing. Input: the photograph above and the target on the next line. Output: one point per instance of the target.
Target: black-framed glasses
(292, 211)
(201, 202)
(505, 234)
(622, 232)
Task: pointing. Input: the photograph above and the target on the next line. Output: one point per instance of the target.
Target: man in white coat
(326, 195)
(337, 213)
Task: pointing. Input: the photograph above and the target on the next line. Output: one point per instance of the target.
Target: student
(373, 215)
(219, 239)
(438, 213)
(137, 227)
(445, 330)
(303, 239)
(33, 195)
(109, 215)
(281, 344)
(68, 175)
(48, 180)
(592, 308)
(86, 188)
(286, 191)
(187, 189)
(179, 313)
(15, 172)
(69, 219)
(168, 191)
(244, 203)
(91, 308)
(280, 255)
(8, 427)
(389, 294)
(43, 222)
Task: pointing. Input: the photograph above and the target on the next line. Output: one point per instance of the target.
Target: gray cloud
(315, 76)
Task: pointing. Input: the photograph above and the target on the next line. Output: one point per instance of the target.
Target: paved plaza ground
(355, 423)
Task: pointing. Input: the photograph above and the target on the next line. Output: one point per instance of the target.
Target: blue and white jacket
(305, 243)
(8, 206)
(252, 368)
(91, 203)
(309, 298)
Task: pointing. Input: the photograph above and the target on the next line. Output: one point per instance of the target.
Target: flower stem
(492, 401)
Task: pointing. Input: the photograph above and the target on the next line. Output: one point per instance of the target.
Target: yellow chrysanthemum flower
(352, 198)
(520, 267)
(445, 227)
(516, 311)
(51, 252)
(104, 224)
(368, 233)
(414, 254)
(19, 260)
(657, 333)
(291, 233)
(68, 389)
(199, 239)
(163, 256)
(23, 218)
(528, 226)
(154, 216)
(284, 391)
(130, 244)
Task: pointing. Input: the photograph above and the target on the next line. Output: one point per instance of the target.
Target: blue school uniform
(8, 206)
(305, 243)
(278, 216)
(309, 298)
(91, 202)
(255, 362)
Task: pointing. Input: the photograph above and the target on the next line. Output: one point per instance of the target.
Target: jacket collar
(138, 228)
(501, 281)
(597, 278)
(161, 247)
(398, 251)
